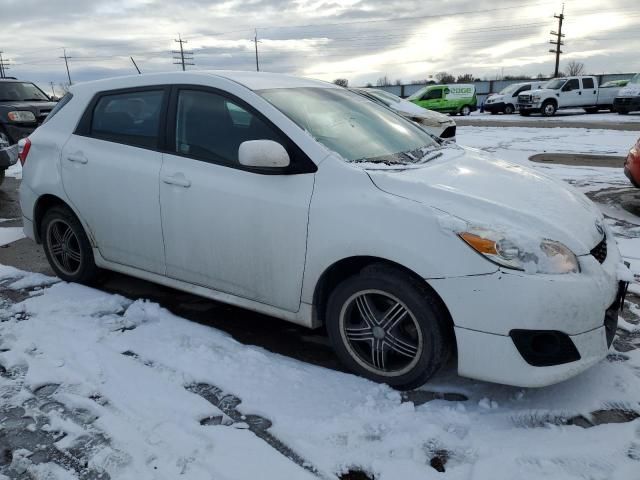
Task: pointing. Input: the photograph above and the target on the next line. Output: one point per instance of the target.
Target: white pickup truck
(567, 92)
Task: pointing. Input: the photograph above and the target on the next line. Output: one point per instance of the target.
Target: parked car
(23, 106)
(632, 165)
(628, 99)
(435, 123)
(566, 92)
(8, 157)
(457, 99)
(507, 100)
(320, 207)
(615, 83)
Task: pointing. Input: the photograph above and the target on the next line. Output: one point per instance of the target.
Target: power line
(4, 66)
(558, 41)
(185, 58)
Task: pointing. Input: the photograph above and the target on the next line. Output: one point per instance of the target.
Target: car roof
(251, 80)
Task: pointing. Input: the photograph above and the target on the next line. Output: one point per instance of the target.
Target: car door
(590, 92)
(110, 170)
(571, 94)
(432, 99)
(227, 227)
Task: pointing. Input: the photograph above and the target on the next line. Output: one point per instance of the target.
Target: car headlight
(527, 255)
(536, 98)
(21, 116)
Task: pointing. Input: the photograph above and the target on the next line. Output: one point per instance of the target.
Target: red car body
(632, 165)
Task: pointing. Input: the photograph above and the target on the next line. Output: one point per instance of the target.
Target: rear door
(590, 91)
(110, 172)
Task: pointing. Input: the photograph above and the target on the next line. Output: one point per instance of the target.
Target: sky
(362, 41)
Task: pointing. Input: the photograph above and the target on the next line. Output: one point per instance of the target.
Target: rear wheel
(466, 110)
(549, 108)
(67, 246)
(509, 109)
(387, 327)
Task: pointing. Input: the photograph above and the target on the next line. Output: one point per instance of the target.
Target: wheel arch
(42, 205)
(349, 266)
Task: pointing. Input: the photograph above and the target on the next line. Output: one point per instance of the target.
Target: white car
(436, 123)
(507, 100)
(305, 201)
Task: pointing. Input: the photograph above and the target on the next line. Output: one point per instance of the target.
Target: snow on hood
(411, 109)
(492, 193)
(629, 91)
(27, 105)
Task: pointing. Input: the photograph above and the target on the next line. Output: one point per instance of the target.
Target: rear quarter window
(60, 105)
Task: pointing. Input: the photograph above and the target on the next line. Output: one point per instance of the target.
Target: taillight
(24, 146)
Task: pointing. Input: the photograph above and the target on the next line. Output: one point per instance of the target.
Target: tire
(509, 109)
(407, 349)
(623, 112)
(465, 111)
(67, 246)
(548, 109)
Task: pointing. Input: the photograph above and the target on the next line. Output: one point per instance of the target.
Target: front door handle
(178, 180)
(77, 158)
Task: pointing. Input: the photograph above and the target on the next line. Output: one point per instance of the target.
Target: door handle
(178, 180)
(78, 158)
(579, 93)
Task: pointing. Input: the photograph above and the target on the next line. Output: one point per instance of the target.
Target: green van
(456, 98)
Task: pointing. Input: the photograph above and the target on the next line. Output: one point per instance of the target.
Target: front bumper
(8, 156)
(532, 107)
(486, 309)
(497, 107)
(19, 131)
(626, 104)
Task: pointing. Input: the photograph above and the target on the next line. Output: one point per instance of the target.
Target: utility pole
(558, 40)
(255, 41)
(53, 89)
(185, 58)
(66, 62)
(4, 66)
(135, 65)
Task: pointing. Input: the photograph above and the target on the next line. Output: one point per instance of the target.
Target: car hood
(541, 92)
(631, 90)
(31, 106)
(491, 193)
(426, 116)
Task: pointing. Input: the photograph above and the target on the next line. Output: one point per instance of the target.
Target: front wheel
(67, 246)
(548, 109)
(509, 109)
(387, 327)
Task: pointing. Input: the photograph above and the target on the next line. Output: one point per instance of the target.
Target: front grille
(524, 98)
(449, 132)
(600, 251)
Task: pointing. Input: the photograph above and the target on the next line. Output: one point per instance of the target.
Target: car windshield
(510, 89)
(21, 92)
(385, 96)
(636, 79)
(556, 83)
(352, 126)
(418, 94)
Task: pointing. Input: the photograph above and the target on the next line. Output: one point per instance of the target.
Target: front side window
(434, 94)
(588, 83)
(350, 125)
(131, 118)
(211, 127)
(509, 89)
(573, 84)
(21, 92)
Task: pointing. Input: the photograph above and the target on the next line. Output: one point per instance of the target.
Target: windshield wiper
(35, 100)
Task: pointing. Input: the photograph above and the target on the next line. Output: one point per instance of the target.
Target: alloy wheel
(64, 247)
(381, 333)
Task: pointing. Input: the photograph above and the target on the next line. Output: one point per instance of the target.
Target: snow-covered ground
(569, 115)
(130, 390)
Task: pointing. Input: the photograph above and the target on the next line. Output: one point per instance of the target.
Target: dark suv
(23, 106)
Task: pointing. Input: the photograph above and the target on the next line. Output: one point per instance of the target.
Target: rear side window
(131, 118)
(587, 83)
(63, 101)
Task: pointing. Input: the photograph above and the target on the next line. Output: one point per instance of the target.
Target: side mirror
(263, 153)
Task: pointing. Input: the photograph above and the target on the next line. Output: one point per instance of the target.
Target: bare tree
(466, 78)
(575, 69)
(383, 81)
(444, 77)
(341, 82)
(369, 85)
(398, 82)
